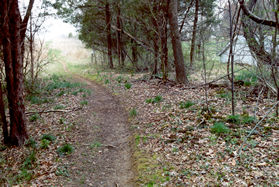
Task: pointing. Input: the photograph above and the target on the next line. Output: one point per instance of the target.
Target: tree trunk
(31, 51)
(3, 121)
(13, 67)
(135, 54)
(155, 40)
(109, 40)
(119, 36)
(164, 42)
(176, 43)
(192, 52)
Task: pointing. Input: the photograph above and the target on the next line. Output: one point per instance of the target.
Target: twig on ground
(53, 111)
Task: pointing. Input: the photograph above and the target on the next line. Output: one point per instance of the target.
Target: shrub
(219, 128)
(65, 149)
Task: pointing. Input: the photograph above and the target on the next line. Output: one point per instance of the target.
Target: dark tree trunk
(13, 68)
(135, 54)
(176, 43)
(193, 42)
(164, 42)
(155, 38)
(109, 40)
(119, 36)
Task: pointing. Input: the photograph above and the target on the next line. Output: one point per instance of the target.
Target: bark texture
(108, 30)
(12, 43)
(176, 43)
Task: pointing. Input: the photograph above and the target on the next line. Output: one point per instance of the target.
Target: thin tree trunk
(193, 42)
(164, 44)
(109, 40)
(119, 36)
(3, 120)
(231, 57)
(31, 51)
(176, 43)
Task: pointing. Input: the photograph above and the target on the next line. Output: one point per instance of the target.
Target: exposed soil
(104, 156)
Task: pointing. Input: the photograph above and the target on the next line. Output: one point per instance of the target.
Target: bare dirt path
(104, 154)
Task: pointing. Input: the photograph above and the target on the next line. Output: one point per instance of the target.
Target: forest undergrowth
(182, 141)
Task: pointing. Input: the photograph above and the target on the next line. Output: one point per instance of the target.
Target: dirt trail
(103, 157)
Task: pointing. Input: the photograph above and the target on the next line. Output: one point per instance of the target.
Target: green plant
(95, 145)
(128, 85)
(34, 117)
(24, 175)
(185, 105)
(84, 102)
(45, 143)
(31, 143)
(119, 79)
(29, 161)
(65, 149)
(62, 171)
(219, 128)
(133, 112)
(246, 119)
(234, 119)
(48, 137)
(107, 81)
(149, 100)
(158, 99)
(3, 147)
(154, 100)
(37, 100)
(59, 107)
(62, 92)
(62, 121)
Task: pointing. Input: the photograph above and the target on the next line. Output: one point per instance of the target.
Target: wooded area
(167, 47)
